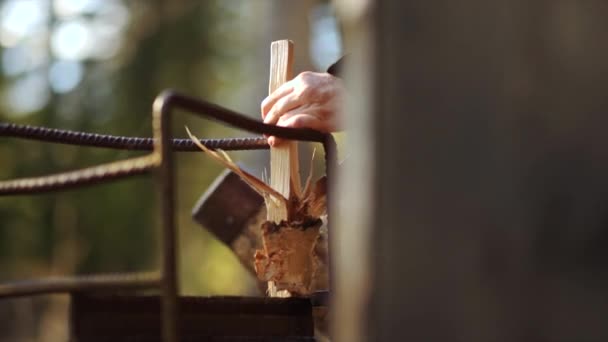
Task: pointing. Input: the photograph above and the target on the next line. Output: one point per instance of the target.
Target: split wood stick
(284, 166)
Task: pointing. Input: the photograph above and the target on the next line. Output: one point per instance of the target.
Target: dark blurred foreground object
(488, 173)
(227, 319)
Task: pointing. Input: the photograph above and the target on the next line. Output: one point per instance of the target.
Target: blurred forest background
(96, 66)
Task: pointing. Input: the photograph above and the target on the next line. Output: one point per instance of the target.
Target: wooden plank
(284, 166)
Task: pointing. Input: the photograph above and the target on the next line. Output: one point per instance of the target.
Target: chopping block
(233, 213)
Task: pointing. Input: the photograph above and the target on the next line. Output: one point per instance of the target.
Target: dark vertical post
(331, 163)
(162, 134)
(437, 91)
(487, 191)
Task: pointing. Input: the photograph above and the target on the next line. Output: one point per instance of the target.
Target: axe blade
(227, 206)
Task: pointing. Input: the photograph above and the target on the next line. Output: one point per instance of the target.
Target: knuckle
(298, 122)
(304, 76)
(266, 104)
(280, 105)
(305, 90)
(302, 93)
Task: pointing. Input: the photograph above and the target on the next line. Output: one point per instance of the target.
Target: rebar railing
(159, 159)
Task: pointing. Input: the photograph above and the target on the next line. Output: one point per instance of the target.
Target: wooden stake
(284, 166)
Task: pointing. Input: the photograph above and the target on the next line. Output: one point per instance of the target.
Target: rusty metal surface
(67, 180)
(68, 137)
(118, 281)
(128, 318)
(161, 160)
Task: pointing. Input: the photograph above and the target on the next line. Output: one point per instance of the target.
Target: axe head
(227, 206)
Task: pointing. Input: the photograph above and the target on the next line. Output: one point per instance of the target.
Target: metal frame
(159, 159)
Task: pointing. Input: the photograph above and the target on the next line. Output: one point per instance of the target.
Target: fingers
(282, 106)
(276, 95)
(295, 120)
(310, 100)
(300, 120)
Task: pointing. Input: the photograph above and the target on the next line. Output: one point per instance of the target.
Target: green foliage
(114, 227)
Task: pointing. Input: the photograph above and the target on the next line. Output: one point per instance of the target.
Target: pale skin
(310, 100)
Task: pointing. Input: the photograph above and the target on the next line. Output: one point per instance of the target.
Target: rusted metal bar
(122, 281)
(227, 116)
(66, 180)
(68, 137)
(161, 124)
(331, 164)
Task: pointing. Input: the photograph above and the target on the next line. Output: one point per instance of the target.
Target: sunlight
(20, 18)
(70, 8)
(64, 76)
(28, 94)
(71, 40)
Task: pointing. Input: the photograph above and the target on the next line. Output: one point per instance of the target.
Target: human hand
(310, 100)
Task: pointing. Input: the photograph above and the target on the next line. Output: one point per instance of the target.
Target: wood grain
(284, 166)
